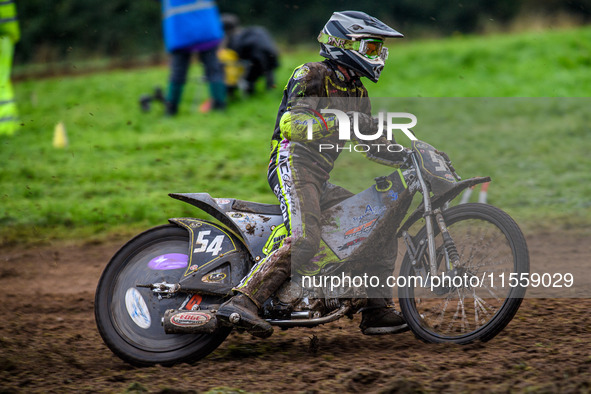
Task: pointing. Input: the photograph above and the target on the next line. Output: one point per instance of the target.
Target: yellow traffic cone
(60, 139)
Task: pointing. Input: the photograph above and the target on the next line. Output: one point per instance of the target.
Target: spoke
(492, 257)
(486, 253)
(455, 317)
(472, 248)
(483, 248)
(462, 248)
(465, 323)
(489, 290)
(479, 303)
(493, 260)
(443, 309)
(460, 310)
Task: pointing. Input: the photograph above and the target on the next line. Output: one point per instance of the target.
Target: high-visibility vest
(9, 35)
(9, 21)
(190, 22)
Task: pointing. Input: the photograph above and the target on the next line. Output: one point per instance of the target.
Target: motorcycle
(157, 298)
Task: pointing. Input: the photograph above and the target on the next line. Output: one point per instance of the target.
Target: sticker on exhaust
(137, 308)
(169, 261)
(190, 319)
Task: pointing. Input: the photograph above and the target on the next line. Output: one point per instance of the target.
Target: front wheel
(477, 298)
(129, 317)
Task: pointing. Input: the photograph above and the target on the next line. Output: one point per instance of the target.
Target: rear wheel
(129, 317)
(480, 296)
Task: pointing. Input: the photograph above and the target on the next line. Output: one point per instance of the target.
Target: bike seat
(256, 207)
(211, 206)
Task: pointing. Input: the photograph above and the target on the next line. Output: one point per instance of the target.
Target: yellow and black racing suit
(298, 171)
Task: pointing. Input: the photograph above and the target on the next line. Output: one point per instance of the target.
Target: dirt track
(49, 342)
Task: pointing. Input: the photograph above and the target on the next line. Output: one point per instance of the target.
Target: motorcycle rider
(298, 173)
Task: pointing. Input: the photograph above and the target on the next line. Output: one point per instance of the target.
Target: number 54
(214, 247)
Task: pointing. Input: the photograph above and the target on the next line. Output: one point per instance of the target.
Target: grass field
(120, 164)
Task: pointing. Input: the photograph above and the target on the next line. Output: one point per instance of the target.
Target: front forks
(448, 243)
(428, 217)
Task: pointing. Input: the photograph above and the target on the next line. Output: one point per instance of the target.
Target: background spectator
(9, 35)
(192, 27)
(255, 45)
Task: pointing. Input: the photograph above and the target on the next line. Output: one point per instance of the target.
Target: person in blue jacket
(193, 26)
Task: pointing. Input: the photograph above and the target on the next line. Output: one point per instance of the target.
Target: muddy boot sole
(385, 330)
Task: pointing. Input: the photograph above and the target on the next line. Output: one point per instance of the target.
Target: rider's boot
(241, 311)
(263, 279)
(380, 317)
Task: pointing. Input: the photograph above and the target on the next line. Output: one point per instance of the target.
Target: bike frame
(251, 223)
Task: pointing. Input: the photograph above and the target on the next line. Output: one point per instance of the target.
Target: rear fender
(251, 222)
(218, 260)
(207, 204)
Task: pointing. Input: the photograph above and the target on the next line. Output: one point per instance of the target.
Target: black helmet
(355, 40)
(230, 22)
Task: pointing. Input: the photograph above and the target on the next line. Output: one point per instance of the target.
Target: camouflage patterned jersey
(298, 170)
(311, 88)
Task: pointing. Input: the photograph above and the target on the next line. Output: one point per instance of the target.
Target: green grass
(121, 163)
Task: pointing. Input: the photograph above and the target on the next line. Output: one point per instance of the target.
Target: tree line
(74, 29)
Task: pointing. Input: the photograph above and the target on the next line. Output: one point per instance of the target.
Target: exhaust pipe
(189, 322)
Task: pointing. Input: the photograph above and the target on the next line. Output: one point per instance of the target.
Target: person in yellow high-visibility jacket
(9, 35)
